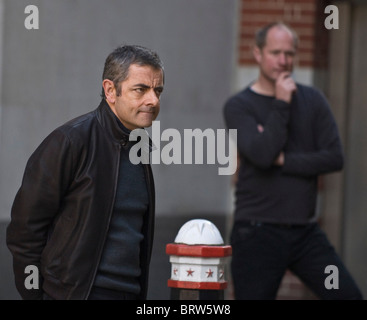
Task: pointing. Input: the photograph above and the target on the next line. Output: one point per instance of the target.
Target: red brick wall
(306, 17)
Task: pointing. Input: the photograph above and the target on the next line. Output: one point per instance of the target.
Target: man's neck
(264, 87)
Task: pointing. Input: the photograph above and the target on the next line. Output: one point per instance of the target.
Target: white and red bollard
(198, 262)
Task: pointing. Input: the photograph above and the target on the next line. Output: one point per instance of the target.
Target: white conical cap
(199, 232)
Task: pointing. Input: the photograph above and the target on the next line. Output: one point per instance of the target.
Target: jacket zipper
(108, 223)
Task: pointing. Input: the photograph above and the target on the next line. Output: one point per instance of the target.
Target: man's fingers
(287, 81)
(284, 75)
(285, 87)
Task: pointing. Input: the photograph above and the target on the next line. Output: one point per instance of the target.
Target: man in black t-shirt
(286, 138)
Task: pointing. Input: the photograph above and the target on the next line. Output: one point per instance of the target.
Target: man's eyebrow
(143, 85)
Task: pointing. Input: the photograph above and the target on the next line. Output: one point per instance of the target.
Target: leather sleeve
(46, 178)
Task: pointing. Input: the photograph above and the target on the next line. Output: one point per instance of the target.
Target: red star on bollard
(190, 272)
(209, 273)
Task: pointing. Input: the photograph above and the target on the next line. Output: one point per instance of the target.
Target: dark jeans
(263, 252)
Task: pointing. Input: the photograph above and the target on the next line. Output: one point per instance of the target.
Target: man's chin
(146, 124)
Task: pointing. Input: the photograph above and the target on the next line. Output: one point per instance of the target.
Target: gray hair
(118, 62)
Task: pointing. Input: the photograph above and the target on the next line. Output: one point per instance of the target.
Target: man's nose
(282, 59)
(152, 98)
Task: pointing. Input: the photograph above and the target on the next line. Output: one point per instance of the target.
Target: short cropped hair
(261, 35)
(118, 62)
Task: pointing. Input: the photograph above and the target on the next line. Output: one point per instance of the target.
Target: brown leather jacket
(61, 213)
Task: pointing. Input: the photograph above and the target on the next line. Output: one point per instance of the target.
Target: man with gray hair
(84, 214)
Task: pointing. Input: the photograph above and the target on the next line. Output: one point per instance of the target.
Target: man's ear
(109, 90)
(257, 54)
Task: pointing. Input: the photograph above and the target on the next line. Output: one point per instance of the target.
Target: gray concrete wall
(53, 74)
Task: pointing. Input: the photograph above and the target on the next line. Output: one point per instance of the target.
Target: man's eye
(139, 90)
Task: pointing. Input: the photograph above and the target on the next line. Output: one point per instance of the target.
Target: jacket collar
(108, 121)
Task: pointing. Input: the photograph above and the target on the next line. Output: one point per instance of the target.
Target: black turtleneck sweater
(305, 131)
